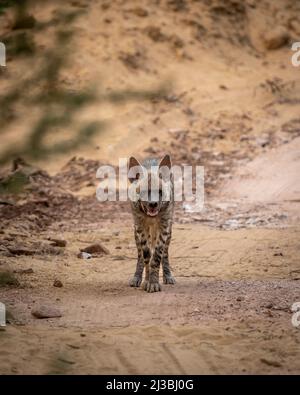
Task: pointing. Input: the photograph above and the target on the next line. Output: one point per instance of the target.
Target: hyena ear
(166, 161)
(165, 171)
(135, 169)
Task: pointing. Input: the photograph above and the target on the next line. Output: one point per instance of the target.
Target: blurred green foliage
(42, 88)
(4, 4)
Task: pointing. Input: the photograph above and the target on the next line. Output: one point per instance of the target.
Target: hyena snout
(151, 208)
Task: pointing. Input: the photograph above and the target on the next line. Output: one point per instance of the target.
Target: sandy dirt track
(233, 107)
(228, 313)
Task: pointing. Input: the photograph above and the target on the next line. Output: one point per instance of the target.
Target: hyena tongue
(152, 212)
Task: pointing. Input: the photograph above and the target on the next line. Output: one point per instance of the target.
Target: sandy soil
(228, 313)
(233, 108)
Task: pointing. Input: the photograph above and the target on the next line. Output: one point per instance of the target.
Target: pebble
(95, 249)
(84, 255)
(58, 242)
(276, 38)
(58, 284)
(46, 312)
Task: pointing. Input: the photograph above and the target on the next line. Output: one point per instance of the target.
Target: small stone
(276, 38)
(24, 22)
(58, 242)
(141, 12)
(21, 251)
(96, 249)
(46, 312)
(271, 363)
(240, 298)
(84, 255)
(58, 284)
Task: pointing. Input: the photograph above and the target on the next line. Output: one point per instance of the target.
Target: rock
(66, 361)
(58, 284)
(34, 249)
(271, 363)
(96, 249)
(46, 312)
(84, 255)
(141, 12)
(58, 242)
(24, 22)
(223, 87)
(275, 38)
(21, 251)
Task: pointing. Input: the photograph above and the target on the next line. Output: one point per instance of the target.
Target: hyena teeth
(152, 220)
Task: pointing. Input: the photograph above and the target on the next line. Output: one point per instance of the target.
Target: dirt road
(228, 313)
(233, 107)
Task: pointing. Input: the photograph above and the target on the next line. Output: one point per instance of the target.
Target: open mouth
(150, 211)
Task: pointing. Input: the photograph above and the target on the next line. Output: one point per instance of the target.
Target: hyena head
(151, 189)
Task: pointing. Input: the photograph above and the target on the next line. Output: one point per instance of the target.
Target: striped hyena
(152, 210)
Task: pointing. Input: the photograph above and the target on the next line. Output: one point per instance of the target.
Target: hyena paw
(135, 281)
(169, 279)
(151, 286)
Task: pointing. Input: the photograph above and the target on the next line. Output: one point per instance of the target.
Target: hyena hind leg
(167, 274)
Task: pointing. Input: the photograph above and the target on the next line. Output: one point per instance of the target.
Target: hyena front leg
(153, 284)
(146, 256)
(138, 275)
(167, 275)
